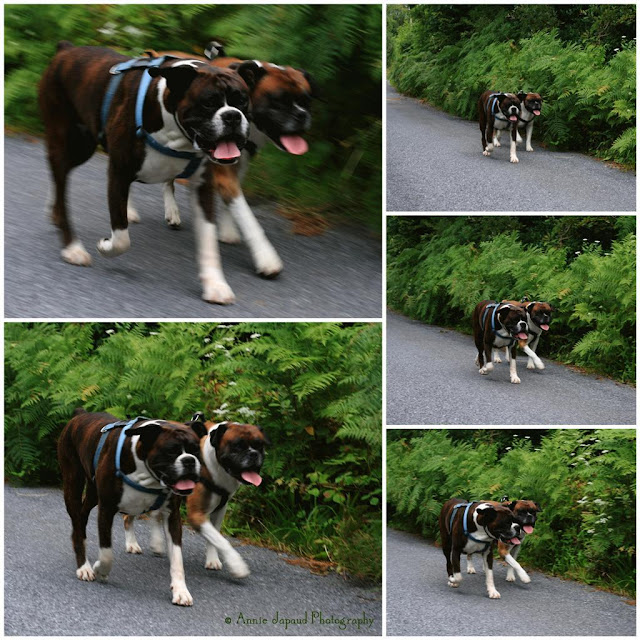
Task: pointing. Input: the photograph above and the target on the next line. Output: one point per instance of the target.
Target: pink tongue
(251, 477)
(294, 144)
(184, 485)
(226, 151)
(522, 335)
(514, 541)
(513, 118)
(528, 528)
(536, 112)
(545, 327)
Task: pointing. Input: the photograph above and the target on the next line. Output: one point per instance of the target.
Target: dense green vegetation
(315, 388)
(580, 58)
(583, 479)
(439, 268)
(340, 45)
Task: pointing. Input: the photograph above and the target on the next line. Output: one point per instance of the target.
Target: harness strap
(495, 306)
(465, 528)
(218, 490)
(492, 104)
(143, 64)
(161, 493)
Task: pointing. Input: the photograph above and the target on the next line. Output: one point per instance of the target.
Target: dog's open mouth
(521, 336)
(251, 477)
(544, 327)
(527, 528)
(513, 118)
(536, 112)
(225, 152)
(184, 487)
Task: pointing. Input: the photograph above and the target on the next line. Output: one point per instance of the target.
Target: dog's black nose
(232, 117)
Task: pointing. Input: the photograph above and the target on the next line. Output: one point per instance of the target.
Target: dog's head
(540, 314)
(532, 102)
(280, 102)
(509, 104)
(514, 319)
(171, 452)
(499, 521)
(240, 449)
(210, 105)
(526, 512)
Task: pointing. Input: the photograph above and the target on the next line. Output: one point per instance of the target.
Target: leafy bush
(440, 277)
(316, 389)
(583, 68)
(340, 45)
(584, 481)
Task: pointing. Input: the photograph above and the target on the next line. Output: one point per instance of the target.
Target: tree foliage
(583, 479)
(580, 58)
(315, 388)
(339, 45)
(439, 268)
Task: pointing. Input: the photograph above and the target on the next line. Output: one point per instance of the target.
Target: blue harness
(465, 529)
(495, 306)
(161, 493)
(144, 64)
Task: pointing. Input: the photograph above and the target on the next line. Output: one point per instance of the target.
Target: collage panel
(543, 307)
(502, 107)
(253, 134)
(550, 512)
(268, 434)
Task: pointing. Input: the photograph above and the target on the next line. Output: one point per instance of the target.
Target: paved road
(435, 163)
(335, 275)
(432, 379)
(419, 602)
(44, 597)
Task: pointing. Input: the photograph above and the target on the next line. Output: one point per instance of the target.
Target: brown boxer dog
(190, 117)
(473, 527)
(232, 454)
(497, 325)
(498, 111)
(134, 467)
(531, 108)
(526, 513)
(280, 112)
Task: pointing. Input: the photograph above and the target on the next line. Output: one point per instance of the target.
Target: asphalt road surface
(334, 275)
(44, 597)
(435, 163)
(432, 379)
(419, 602)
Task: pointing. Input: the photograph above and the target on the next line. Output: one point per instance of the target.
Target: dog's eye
(237, 99)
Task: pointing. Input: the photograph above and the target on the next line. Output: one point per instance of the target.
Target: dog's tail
(78, 411)
(64, 44)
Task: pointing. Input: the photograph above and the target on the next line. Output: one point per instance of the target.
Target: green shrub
(584, 481)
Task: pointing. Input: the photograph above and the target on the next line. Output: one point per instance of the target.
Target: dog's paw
(133, 547)
(117, 244)
(486, 369)
(213, 564)
(181, 596)
(486, 153)
(539, 365)
(217, 292)
(132, 214)
(100, 575)
(471, 570)
(530, 365)
(238, 567)
(172, 217)
(510, 578)
(515, 160)
(493, 594)
(496, 143)
(529, 148)
(515, 380)
(268, 263)
(525, 579)
(497, 359)
(75, 253)
(85, 572)
(452, 583)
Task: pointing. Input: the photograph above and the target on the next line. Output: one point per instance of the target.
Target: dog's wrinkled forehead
(542, 307)
(509, 100)
(237, 431)
(281, 80)
(221, 80)
(526, 506)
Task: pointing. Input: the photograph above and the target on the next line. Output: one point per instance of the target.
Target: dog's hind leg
(119, 242)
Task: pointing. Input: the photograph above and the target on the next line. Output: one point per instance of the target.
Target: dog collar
(161, 493)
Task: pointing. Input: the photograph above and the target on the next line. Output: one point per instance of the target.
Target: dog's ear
(521, 96)
(486, 516)
(178, 78)
(266, 438)
(197, 424)
(510, 505)
(148, 435)
(216, 434)
(250, 71)
(313, 85)
(528, 307)
(538, 507)
(214, 50)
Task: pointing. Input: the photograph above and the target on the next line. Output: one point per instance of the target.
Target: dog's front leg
(119, 242)
(102, 567)
(130, 542)
(512, 365)
(215, 288)
(487, 560)
(513, 156)
(510, 559)
(489, 137)
(528, 146)
(470, 567)
(531, 363)
(173, 534)
(212, 560)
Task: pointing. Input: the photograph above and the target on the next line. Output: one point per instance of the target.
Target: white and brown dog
(232, 455)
